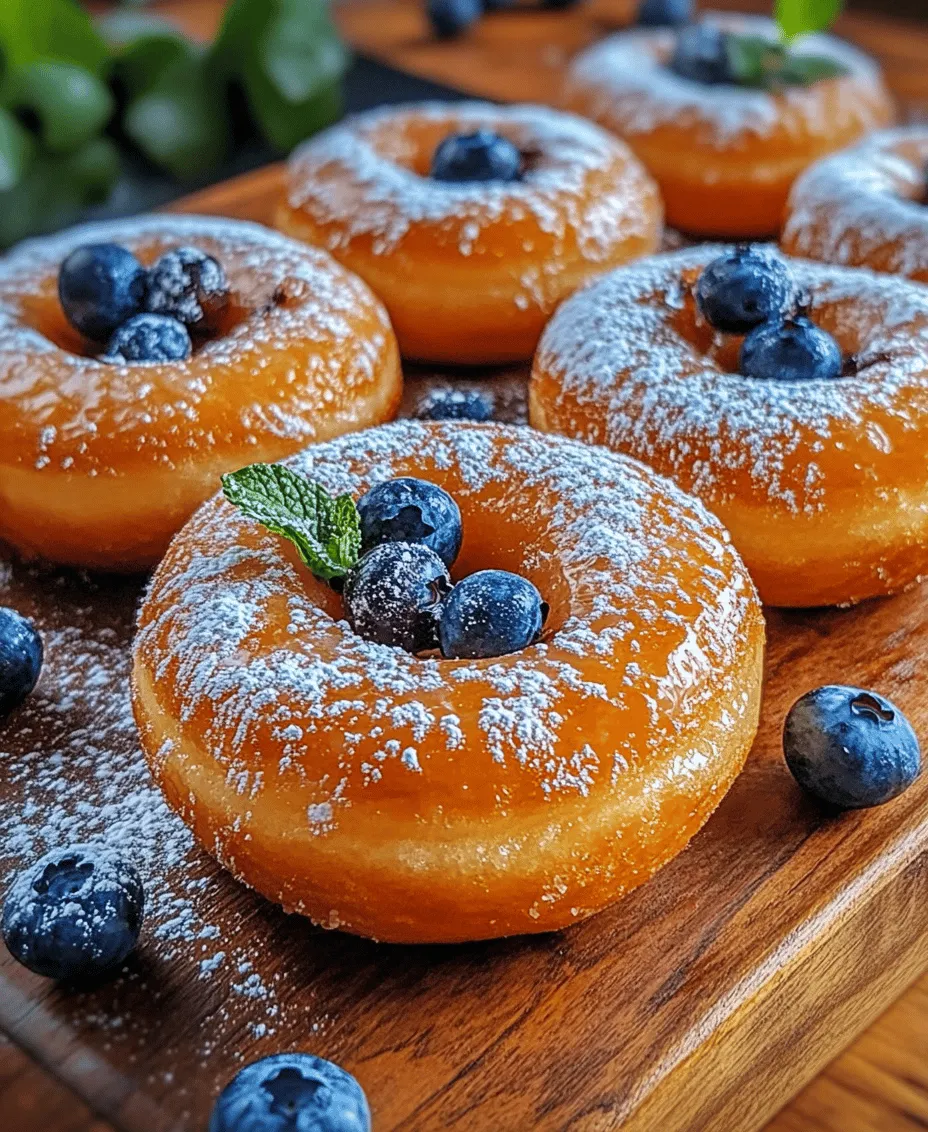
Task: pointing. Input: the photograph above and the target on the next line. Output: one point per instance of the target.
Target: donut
(865, 206)
(725, 156)
(417, 799)
(101, 463)
(821, 483)
(470, 272)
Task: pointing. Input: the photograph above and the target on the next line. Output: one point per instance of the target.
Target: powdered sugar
(624, 82)
(366, 177)
(620, 347)
(866, 205)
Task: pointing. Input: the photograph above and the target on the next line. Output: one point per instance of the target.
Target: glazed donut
(724, 156)
(412, 799)
(865, 207)
(101, 463)
(471, 272)
(821, 483)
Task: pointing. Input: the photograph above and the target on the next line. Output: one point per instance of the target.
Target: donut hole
(502, 532)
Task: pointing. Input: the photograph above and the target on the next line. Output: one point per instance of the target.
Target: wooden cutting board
(703, 1001)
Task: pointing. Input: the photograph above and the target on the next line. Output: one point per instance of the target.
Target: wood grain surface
(703, 1001)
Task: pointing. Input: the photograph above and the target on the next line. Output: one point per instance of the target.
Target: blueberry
(100, 286)
(20, 659)
(792, 350)
(189, 286)
(149, 338)
(490, 613)
(743, 288)
(291, 1092)
(411, 510)
(451, 17)
(456, 405)
(480, 156)
(75, 914)
(664, 13)
(701, 55)
(393, 595)
(849, 747)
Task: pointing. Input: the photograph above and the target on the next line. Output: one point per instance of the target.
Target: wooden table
(880, 1084)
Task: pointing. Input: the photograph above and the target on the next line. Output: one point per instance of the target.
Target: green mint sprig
(759, 62)
(325, 529)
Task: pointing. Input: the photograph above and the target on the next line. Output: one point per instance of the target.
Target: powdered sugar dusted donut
(471, 271)
(866, 206)
(100, 463)
(821, 483)
(725, 156)
(417, 799)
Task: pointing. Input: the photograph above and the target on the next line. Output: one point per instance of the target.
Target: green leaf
(283, 123)
(289, 59)
(50, 29)
(301, 52)
(804, 70)
(758, 62)
(180, 121)
(16, 148)
(72, 105)
(800, 17)
(143, 47)
(325, 530)
(55, 189)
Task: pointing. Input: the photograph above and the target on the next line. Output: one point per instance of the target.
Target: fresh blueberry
(664, 13)
(20, 659)
(702, 55)
(394, 593)
(849, 747)
(291, 1092)
(793, 350)
(149, 338)
(190, 286)
(450, 18)
(411, 510)
(743, 288)
(480, 156)
(75, 914)
(456, 405)
(100, 286)
(490, 613)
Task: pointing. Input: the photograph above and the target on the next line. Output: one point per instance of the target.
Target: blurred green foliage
(71, 89)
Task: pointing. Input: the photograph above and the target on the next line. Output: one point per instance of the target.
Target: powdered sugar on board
(617, 348)
(365, 177)
(866, 205)
(625, 82)
(72, 772)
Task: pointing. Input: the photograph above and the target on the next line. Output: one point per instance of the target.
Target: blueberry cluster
(751, 291)
(400, 592)
(139, 314)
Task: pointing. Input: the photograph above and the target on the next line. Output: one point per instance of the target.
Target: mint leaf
(289, 59)
(50, 29)
(325, 530)
(179, 122)
(757, 62)
(800, 17)
(71, 104)
(804, 70)
(16, 148)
